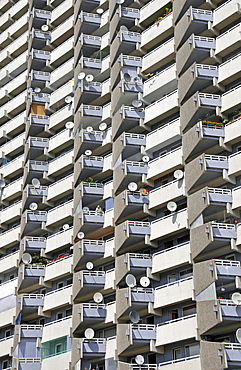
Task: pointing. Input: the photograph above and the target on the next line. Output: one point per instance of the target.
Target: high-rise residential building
(120, 184)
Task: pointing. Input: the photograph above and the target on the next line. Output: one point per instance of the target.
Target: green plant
(89, 179)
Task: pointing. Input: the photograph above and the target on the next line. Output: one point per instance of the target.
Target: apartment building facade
(120, 139)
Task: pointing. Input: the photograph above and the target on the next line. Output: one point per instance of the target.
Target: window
(176, 353)
(43, 291)
(174, 314)
(185, 273)
(192, 350)
(183, 239)
(59, 315)
(171, 278)
(60, 285)
(5, 364)
(189, 310)
(152, 359)
(69, 281)
(7, 333)
(162, 153)
(41, 321)
(58, 348)
(11, 277)
(168, 244)
(150, 320)
(230, 257)
(68, 312)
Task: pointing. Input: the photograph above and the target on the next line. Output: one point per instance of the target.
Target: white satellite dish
(123, 28)
(145, 281)
(89, 333)
(171, 206)
(86, 209)
(178, 174)
(236, 298)
(89, 129)
(127, 77)
(134, 317)
(89, 78)
(100, 11)
(2, 184)
(137, 103)
(88, 152)
(45, 27)
(103, 126)
(139, 360)
(68, 99)
(81, 75)
(37, 90)
(119, 2)
(26, 258)
(66, 227)
(145, 158)
(132, 186)
(81, 235)
(69, 125)
(89, 265)
(130, 280)
(36, 182)
(238, 335)
(33, 206)
(98, 297)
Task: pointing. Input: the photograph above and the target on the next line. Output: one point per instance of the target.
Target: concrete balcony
(33, 244)
(209, 201)
(137, 298)
(152, 8)
(60, 188)
(32, 221)
(14, 68)
(135, 337)
(63, 52)
(229, 70)
(159, 57)
(178, 291)
(234, 164)
(211, 236)
(62, 74)
(32, 302)
(93, 348)
(185, 363)
(40, 55)
(124, 93)
(158, 32)
(163, 136)
(58, 360)
(61, 164)
(201, 137)
(206, 169)
(6, 345)
(86, 283)
(14, 11)
(165, 163)
(228, 41)
(88, 250)
(88, 314)
(125, 42)
(236, 194)
(134, 263)
(10, 147)
(60, 33)
(170, 258)
(226, 14)
(128, 203)
(33, 363)
(91, 221)
(37, 166)
(11, 213)
(57, 119)
(58, 96)
(59, 268)
(16, 47)
(197, 77)
(58, 298)
(91, 191)
(36, 124)
(12, 190)
(177, 330)
(14, 106)
(9, 261)
(130, 233)
(13, 87)
(169, 225)
(8, 287)
(12, 126)
(182, 6)
(195, 49)
(42, 14)
(128, 144)
(194, 20)
(59, 240)
(40, 76)
(230, 99)
(126, 172)
(127, 118)
(30, 277)
(160, 84)
(61, 12)
(62, 327)
(13, 167)
(165, 193)
(161, 109)
(58, 141)
(198, 105)
(60, 213)
(10, 237)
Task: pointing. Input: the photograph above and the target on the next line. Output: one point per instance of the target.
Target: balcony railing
(56, 321)
(177, 320)
(227, 263)
(33, 296)
(223, 226)
(31, 327)
(179, 360)
(174, 282)
(59, 289)
(9, 255)
(139, 223)
(169, 249)
(140, 256)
